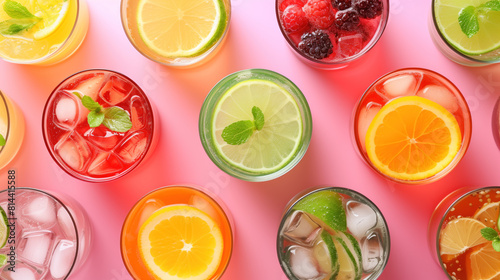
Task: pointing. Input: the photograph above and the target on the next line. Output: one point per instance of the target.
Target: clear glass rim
(206, 119)
(3, 100)
(376, 37)
(341, 190)
(68, 169)
(73, 220)
(212, 196)
(467, 133)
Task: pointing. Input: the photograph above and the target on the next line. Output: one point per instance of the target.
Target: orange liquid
(163, 197)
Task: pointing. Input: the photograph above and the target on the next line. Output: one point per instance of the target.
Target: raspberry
(319, 13)
(368, 8)
(294, 19)
(287, 3)
(342, 4)
(316, 44)
(347, 20)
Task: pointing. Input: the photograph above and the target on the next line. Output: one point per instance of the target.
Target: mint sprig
(491, 235)
(21, 18)
(114, 118)
(468, 17)
(2, 140)
(239, 132)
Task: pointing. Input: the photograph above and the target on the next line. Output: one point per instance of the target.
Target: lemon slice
(180, 242)
(485, 40)
(270, 148)
(52, 17)
(460, 235)
(181, 28)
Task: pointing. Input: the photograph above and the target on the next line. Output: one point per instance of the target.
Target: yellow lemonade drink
(41, 32)
(11, 130)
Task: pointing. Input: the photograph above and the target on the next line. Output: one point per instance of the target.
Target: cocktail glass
(247, 161)
(463, 214)
(148, 205)
(332, 221)
(344, 41)
(98, 154)
(130, 15)
(43, 47)
(50, 235)
(11, 129)
(412, 82)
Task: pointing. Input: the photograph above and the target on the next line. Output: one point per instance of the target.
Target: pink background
(254, 41)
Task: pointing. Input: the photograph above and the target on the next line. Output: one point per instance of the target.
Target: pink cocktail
(107, 151)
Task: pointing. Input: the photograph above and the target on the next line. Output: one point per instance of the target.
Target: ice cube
(360, 218)
(90, 86)
(62, 259)
(22, 272)
(105, 164)
(401, 85)
(301, 229)
(440, 95)
(371, 252)
(349, 45)
(302, 263)
(102, 137)
(202, 204)
(73, 150)
(116, 90)
(138, 114)
(35, 246)
(37, 211)
(66, 223)
(366, 117)
(66, 112)
(150, 206)
(131, 149)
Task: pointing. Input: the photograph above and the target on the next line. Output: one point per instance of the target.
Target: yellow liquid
(25, 49)
(11, 128)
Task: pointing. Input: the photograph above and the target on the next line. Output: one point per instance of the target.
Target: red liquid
(97, 153)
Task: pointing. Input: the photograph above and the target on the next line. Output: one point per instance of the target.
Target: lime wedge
(276, 144)
(326, 255)
(349, 254)
(181, 28)
(485, 40)
(4, 228)
(52, 17)
(327, 206)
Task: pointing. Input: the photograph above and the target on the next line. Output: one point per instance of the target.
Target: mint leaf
(2, 140)
(493, 5)
(258, 117)
(117, 119)
(496, 244)
(14, 26)
(238, 132)
(489, 233)
(467, 18)
(95, 118)
(90, 104)
(17, 10)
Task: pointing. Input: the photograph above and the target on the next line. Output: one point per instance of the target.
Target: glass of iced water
(332, 233)
(48, 235)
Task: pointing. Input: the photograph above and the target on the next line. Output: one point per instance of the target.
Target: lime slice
(181, 28)
(485, 40)
(326, 255)
(327, 206)
(349, 254)
(3, 259)
(4, 228)
(276, 144)
(52, 16)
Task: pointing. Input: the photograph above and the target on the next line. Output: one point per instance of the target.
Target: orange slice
(460, 235)
(412, 138)
(483, 264)
(488, 214)
(180, 242)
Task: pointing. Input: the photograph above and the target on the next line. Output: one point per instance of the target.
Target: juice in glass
(49, 235)
(106, 151)
(51, 30)
(176, 33)
(177, 232)
(456, 237)
(332, 233)
(11, 129)
(255, 125)
(467, 32)
(331, 33)
(412, 126)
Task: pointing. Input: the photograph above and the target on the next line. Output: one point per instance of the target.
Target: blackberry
(347, 20)
(342, 4)
(368, 8)
(316, 44)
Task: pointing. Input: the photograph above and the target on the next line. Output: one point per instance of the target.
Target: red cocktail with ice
(98, 125)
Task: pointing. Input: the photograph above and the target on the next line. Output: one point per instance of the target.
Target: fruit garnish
(316, 44)
(327, 206)
(460, 235)
(489, 215)
(2, 140)
(483, 263)
(4, 228)
(319, 13)
(368, 8)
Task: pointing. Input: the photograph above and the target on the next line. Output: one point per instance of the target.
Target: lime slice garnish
(4, 228)
(349, 254)
(327, 206)
(181, 28)
(485, 40)
(270, 148)
(326, 255)
(52, 17)
(3, 259)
